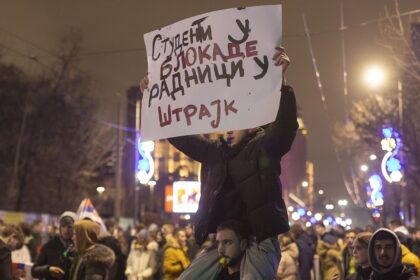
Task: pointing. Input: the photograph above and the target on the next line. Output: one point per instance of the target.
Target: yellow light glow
(374, 76)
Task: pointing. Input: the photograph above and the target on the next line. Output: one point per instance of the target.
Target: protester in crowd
(385, 258)
(54, 260)
(22, 255)
(94, 260)
(306, 248)
(329, 251)
(360, 255)
(10, 237)
(192, 245)
(35, 243)
(348, 261)
(416, 241)
(175, 256)
(114, 241)
(288, 267)
(240, 180)
(153, 238)
(409, 258)
(370, 228)
(141, 262)
(166, 233)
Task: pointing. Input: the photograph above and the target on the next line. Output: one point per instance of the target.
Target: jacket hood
(99, 256)
(172, 242)
(396, 264)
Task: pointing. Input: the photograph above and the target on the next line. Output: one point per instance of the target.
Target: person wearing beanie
(385, 257)
(93, 260)
(56, 255)
(360, 255)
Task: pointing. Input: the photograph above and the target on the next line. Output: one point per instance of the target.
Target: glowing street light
(364, 167)
(329, 206)
(372, 157)
(100, 189)
(374, 76)
(343, 202)
(305, 184)
(321, 192)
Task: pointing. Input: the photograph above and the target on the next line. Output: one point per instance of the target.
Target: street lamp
(374, 76)
(305, 184)
(364, 167)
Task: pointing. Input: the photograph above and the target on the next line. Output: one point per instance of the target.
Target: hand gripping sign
(212, 72)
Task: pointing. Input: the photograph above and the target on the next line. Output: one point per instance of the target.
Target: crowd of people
(77, 250)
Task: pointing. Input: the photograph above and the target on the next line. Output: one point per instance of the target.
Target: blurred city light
(100, 189)
(290, 208)
(318, 216)
(305, 184)
(329, 206)
(295, 216)
(321, 192)
(364, 167)
(343, 202)
(372, 157)
(374, 76)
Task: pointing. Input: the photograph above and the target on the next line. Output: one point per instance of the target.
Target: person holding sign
(240, 181)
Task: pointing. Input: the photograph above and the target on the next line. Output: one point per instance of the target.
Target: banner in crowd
(212, 72)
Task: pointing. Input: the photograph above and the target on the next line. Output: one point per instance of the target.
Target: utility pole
(118, 179)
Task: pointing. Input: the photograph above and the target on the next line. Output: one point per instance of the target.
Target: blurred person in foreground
(306, 248)
(360, 255)
(56, 255)
(11, 237)
(94, 260)
(385, 258)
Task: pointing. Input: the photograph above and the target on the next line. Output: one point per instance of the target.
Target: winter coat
(330, 258)
(175, 259)
(360, 274)
(141, 264)
(397, 271)
(5, 262)
(116, 272)
(348, 262)
(409, 258)
(288, 267)
(254, 171)
(52, 254)
(306, 248)
(94, 264)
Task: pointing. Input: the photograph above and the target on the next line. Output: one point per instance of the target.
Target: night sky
(115, 55)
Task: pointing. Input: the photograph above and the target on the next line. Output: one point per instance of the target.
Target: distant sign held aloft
(212, 72)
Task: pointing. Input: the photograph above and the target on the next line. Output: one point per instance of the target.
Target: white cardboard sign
(212, 72)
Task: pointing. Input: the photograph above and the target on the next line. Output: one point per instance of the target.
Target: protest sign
(212, 72)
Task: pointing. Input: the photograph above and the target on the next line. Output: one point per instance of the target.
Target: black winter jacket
(52, 254)
(5, 262)
(254, 172)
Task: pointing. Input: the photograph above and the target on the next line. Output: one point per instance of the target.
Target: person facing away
(11, 237)
(348, 261)
(385, 258)
(306, 247)
(329, 251)
(54, 260)
(360, 256)
(288, 267)
(240, 178)
(94, 260)
(175, 256)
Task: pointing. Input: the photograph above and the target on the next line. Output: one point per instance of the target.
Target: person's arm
(280, 134)
(171, 264)
(194, 146)
(41, 267)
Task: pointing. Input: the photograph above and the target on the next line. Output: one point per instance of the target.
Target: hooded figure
(94, 260)
(385, 258)
(56, 255)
